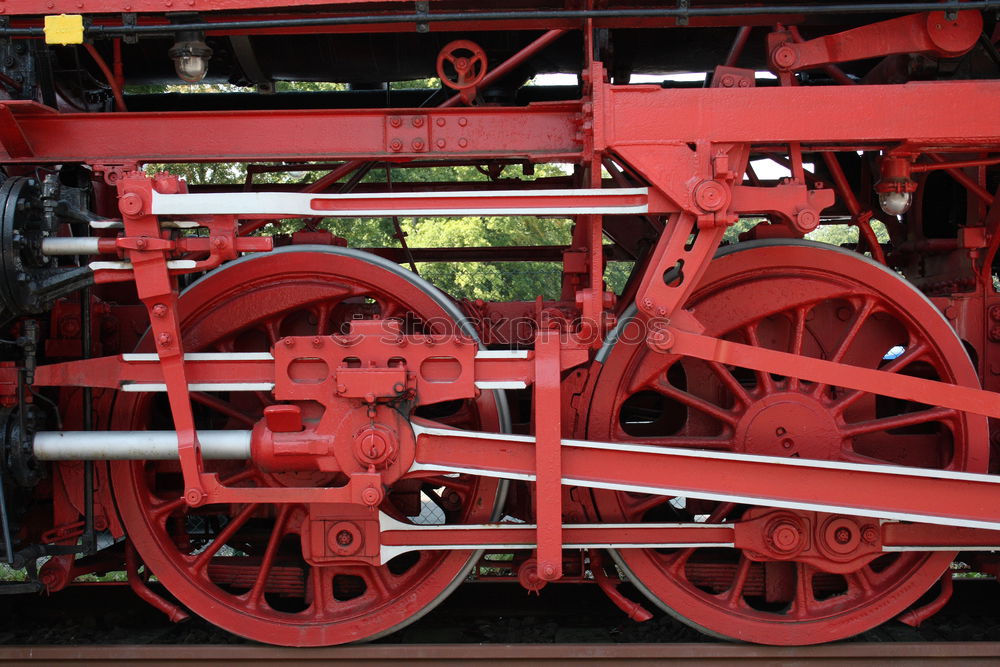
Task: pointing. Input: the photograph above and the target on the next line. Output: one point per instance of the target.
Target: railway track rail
(861, 653)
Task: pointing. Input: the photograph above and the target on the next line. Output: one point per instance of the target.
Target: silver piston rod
(136, 445)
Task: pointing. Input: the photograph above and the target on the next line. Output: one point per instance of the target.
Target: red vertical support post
(548, 455)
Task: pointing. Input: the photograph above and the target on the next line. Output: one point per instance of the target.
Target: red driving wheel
(812, 300)
(241, 566)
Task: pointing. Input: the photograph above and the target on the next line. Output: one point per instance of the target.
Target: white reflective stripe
(204, 356)
(939, 548)
(127, 266)
(295, 203)
(107, 224)
(502, 354)
(139, 387)
(110, 266)
(500, 384)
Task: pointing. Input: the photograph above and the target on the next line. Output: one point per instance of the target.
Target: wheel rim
(251, 578)
(809, 299)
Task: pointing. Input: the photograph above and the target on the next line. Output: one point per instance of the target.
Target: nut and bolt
(159, 310)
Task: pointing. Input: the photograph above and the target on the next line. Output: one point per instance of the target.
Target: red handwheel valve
(461, 65)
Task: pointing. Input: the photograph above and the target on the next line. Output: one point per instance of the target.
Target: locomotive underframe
(677, 156)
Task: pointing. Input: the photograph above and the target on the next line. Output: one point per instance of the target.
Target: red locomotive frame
(818, 484)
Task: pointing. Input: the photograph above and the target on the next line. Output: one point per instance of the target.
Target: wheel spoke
(664, 387)
(320, 589)
(223, 407)
(898, 421)
(635, 508)
(804, 601)
(911, 354)
(798, 334)
(764, 379)
(267, 562)
(861, 581)
(732, 384)
(860, 317)
(237, 522)
(734, 596)
(323, 311)
(382, 579)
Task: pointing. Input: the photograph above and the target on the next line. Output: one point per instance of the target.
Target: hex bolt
(418, 145)
(869, 534)
(396, 145)
(440, 122)
(395, 121)
(165, 339)
(141, 244)
(728, 81)
(317, 342)
(159, 310)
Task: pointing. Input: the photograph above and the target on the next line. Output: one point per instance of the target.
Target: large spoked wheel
(241, 567)
(810, 300)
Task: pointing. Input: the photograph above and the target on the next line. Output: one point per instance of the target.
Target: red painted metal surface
(713, 403)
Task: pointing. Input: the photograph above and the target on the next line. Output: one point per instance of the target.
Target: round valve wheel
(816, 301)
(461, 64)
(242, 566)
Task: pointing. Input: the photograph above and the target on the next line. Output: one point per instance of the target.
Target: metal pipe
(173, 612)
(971, 185)
(737, 49)
(136, 445)
(116, 90)
(565, 14)
(70, 245)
